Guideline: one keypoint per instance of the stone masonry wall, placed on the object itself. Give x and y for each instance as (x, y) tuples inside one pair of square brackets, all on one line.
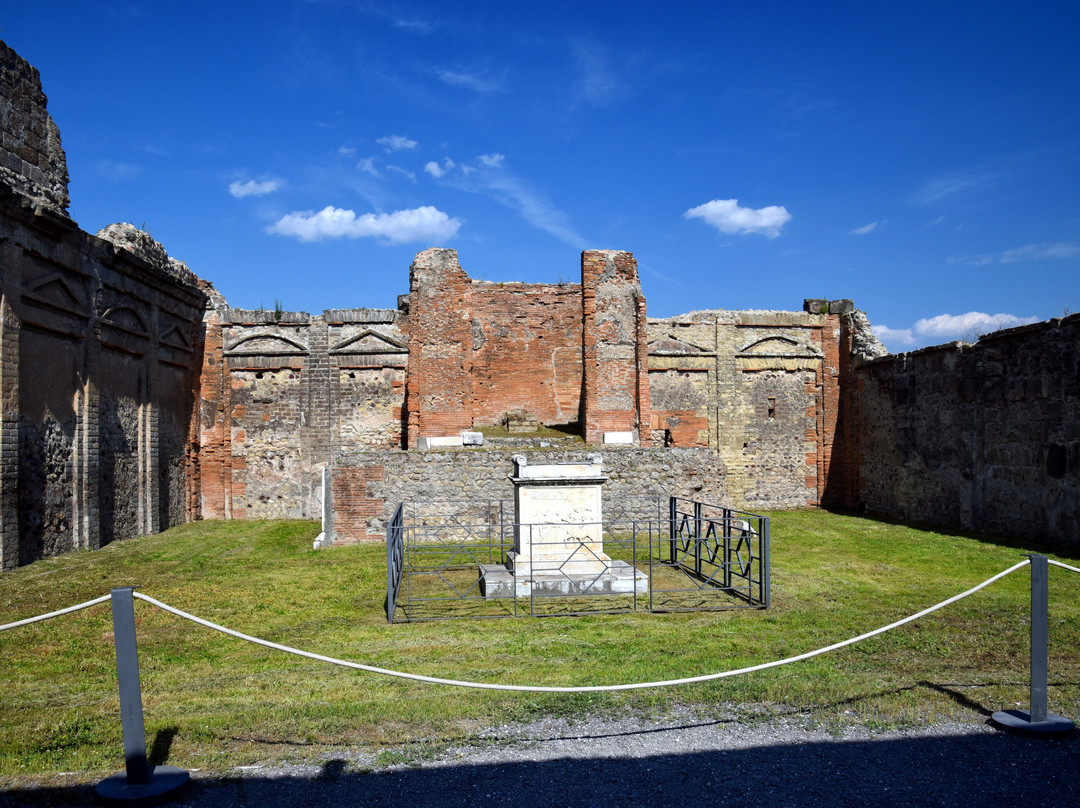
[(368, 486), (32, 161), (982, 437)]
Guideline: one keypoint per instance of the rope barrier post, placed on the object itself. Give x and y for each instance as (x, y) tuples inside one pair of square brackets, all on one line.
[(1037, 720), (140, 783)]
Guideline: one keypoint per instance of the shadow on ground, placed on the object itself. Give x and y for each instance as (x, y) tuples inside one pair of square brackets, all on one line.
[(983, 768)]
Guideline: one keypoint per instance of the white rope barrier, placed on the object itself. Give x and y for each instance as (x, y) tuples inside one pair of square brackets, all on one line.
[(57, 613), (1063, 566), (585, 689)]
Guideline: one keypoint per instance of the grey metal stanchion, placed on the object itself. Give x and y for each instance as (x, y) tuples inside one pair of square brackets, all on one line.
[(1037, 720), (141, 783)]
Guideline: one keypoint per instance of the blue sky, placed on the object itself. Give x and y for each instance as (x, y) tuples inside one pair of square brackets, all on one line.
[(922, 159)]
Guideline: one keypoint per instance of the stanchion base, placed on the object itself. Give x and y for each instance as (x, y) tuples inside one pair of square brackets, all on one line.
[(1020, 721), (163, 781)]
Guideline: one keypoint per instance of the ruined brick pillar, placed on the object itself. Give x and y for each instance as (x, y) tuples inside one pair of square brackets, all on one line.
[(614, 348), (439, 381), (215, 429)]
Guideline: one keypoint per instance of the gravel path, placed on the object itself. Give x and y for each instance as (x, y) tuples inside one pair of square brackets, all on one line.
[(679, 761)]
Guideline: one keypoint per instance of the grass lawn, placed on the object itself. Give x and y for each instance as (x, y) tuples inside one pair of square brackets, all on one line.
[(216, 702)]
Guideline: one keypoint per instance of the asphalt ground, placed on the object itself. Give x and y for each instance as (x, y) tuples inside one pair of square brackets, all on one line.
[(682, 760)]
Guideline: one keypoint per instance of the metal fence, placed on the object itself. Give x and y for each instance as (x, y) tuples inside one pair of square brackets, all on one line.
[(449, 559)]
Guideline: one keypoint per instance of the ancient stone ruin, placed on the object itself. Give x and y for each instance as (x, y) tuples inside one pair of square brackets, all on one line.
[(134, 398)]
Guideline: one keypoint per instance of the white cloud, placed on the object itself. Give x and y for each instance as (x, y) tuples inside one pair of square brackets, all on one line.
[(347, 151), (437, 171), (895, 339), (492, 160), (866, 228), (1032, 251), (252, 188), (967, 326), (367, 165), (728, 217), (393, 143), (426, 224)]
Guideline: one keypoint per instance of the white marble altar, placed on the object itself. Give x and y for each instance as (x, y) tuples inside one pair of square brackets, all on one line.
[(558, 536)]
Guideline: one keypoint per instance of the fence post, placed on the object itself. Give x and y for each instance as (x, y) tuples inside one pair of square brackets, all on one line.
[(140, 782), (1037, 720)]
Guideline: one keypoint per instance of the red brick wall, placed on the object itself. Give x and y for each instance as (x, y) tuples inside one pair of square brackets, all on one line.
[(526, 341), (355, 509)]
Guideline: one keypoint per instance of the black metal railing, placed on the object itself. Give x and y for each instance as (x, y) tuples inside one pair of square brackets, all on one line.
[(450, 559)]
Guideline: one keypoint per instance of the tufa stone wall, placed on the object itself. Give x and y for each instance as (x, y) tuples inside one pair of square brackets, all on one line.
[(101, 349), (760, 388), (281, 391), (982, 437)]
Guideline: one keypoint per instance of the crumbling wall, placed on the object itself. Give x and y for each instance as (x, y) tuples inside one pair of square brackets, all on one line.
[(32, 161), (479, 350), (614, 353), (982, 437)]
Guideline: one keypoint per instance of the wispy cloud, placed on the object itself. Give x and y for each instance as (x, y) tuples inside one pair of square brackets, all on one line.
[(866, 228), (424, 224), (946, 187), (489, 175), (367, 165), (596, 82), (393, 143), (117, 172), (469, 81), (1029, 252), (253, 188), (409, 175), (727, 216)]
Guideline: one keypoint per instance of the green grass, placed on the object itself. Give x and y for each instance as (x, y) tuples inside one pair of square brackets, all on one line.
[(213, 702)]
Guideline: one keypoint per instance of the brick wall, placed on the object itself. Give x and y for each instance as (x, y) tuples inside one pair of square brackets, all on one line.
[(479, 350)]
